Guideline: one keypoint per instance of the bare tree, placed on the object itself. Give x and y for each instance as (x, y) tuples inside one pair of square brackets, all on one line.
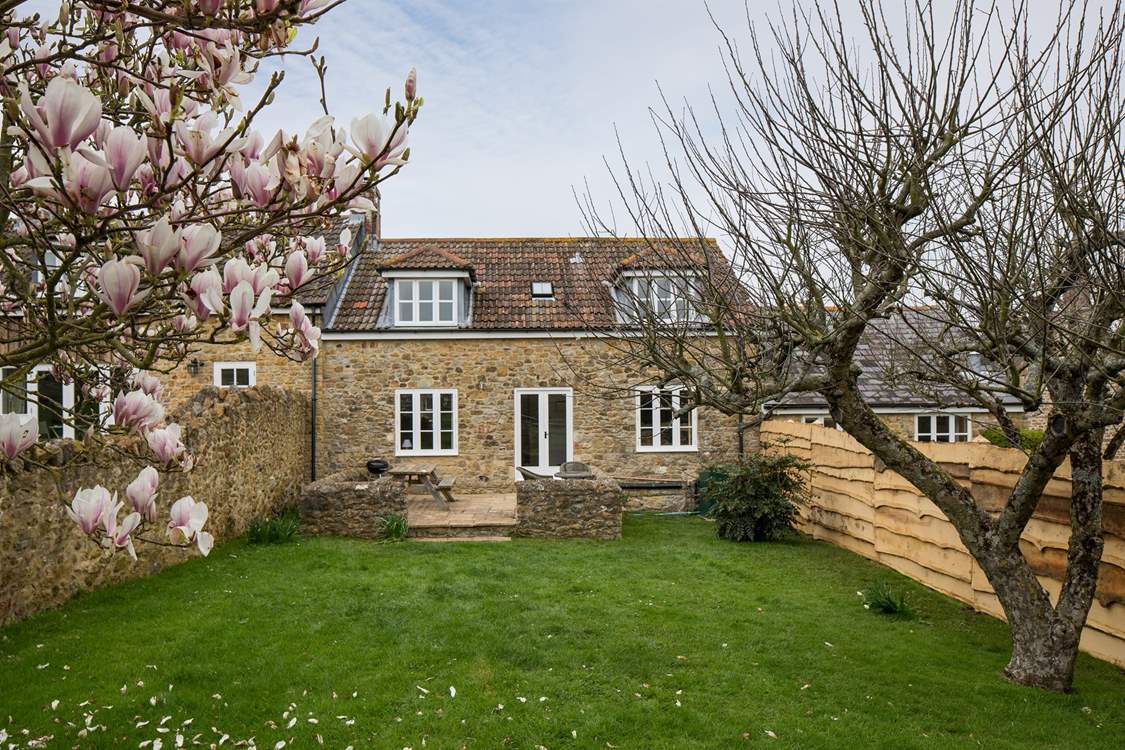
[(964, 170)]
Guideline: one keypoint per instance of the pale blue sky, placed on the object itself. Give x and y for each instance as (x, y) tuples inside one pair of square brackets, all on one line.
[(521, 99)]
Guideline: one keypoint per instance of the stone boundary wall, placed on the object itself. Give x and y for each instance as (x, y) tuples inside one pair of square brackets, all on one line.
[(251, 449), (878, 514), (350, 503), (560, 509)]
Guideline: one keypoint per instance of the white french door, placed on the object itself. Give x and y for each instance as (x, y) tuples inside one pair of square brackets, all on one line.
[(544, 428)]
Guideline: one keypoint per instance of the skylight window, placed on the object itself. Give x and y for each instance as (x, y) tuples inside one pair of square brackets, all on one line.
[(542, 290)]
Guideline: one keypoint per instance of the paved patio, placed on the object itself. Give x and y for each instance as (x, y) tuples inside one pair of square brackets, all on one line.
[(470, 516)]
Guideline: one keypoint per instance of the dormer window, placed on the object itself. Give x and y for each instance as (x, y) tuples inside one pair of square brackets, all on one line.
[(661, 296), (542, 290), (426, 301)]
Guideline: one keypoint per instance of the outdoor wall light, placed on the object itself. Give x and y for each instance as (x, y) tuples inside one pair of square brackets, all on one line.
[(193, 367)]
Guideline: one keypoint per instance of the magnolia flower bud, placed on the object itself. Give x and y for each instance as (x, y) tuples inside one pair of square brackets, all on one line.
[(411, 83)]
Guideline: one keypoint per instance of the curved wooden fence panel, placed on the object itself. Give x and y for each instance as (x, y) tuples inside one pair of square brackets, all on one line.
[(859, 505)]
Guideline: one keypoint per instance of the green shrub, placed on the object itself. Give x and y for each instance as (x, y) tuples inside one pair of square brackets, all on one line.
[(393, 527), (1029, 439), (276, 530), (883, 599), (756, 499)]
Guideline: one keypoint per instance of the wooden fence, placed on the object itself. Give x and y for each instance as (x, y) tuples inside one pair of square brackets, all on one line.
[(878, 514)]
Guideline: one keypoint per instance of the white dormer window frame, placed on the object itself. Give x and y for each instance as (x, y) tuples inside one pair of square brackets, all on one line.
[(427, 299), (660, 293)]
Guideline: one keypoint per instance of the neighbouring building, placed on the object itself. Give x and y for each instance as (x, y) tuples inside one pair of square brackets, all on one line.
[(891, 356)]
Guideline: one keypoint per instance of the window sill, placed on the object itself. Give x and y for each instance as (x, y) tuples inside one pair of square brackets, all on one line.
[(399, 453), (667, 449)]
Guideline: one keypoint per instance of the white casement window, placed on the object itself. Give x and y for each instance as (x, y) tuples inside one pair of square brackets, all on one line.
[(823, 421), (660, 426), (236, 374), (942, 428), (61, 408), (426, 302), (425, 422), (13, 401), (663, 297)]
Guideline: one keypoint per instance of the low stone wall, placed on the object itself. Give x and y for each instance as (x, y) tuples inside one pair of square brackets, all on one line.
[(661, 500), (350, 503), (251, 454), (858, 504), (572, 508)]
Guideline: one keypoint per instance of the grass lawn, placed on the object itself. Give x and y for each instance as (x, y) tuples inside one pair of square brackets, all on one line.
[(667, 639)]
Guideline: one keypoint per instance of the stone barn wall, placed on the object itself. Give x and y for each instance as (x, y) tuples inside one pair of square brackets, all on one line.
[(876, 513), (252, 457)]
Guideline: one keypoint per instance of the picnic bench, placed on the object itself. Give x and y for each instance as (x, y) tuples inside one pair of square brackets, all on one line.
[(425, 475)]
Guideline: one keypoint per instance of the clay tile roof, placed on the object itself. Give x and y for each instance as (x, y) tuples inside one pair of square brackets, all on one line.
[(667, 258), (579, 270), (429, 257)]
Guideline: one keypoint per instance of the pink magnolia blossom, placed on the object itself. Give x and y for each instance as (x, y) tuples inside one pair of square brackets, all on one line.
[(186, 523), (308, 335), (148, 383), (235, 270), (258, 183), (166, 444), (119, 281), (210, 7), (120, 535), (142, 493), (17, 433), (89, 507), (343, 246), (184, 323), (264, 278), (206, 295), (245, 313), (124, 150), (158, 245), (198, 243), (86, 181), (296, 269), (265, 6), (316, 248), (66, 114), (377, 140), (137, 410)]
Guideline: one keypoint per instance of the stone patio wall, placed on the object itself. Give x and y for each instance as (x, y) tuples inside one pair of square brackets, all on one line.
[(858, 504), (572, 508), (350, 503), (251, 458)]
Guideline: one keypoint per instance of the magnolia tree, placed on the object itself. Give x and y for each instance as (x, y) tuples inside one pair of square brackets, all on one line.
[(936, 203), (141, 214)]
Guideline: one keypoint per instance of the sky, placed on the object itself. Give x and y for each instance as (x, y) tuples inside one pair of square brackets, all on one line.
[(521, 99)]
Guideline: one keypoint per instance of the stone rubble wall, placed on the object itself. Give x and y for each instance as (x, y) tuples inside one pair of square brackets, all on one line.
[(252, 457), (350, 503), (859, 505), (559, 509), (356, 407)]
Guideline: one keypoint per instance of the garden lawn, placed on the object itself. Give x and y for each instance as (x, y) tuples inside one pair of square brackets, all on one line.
[(666, 639)]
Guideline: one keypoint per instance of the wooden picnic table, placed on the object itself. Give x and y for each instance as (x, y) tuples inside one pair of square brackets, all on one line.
[(425, 475)]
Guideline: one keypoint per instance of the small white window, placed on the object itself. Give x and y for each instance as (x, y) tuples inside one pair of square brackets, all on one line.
[(942, 428), (660, 426), (542, 290), (425, 422), (235, 374), (426, 302)]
